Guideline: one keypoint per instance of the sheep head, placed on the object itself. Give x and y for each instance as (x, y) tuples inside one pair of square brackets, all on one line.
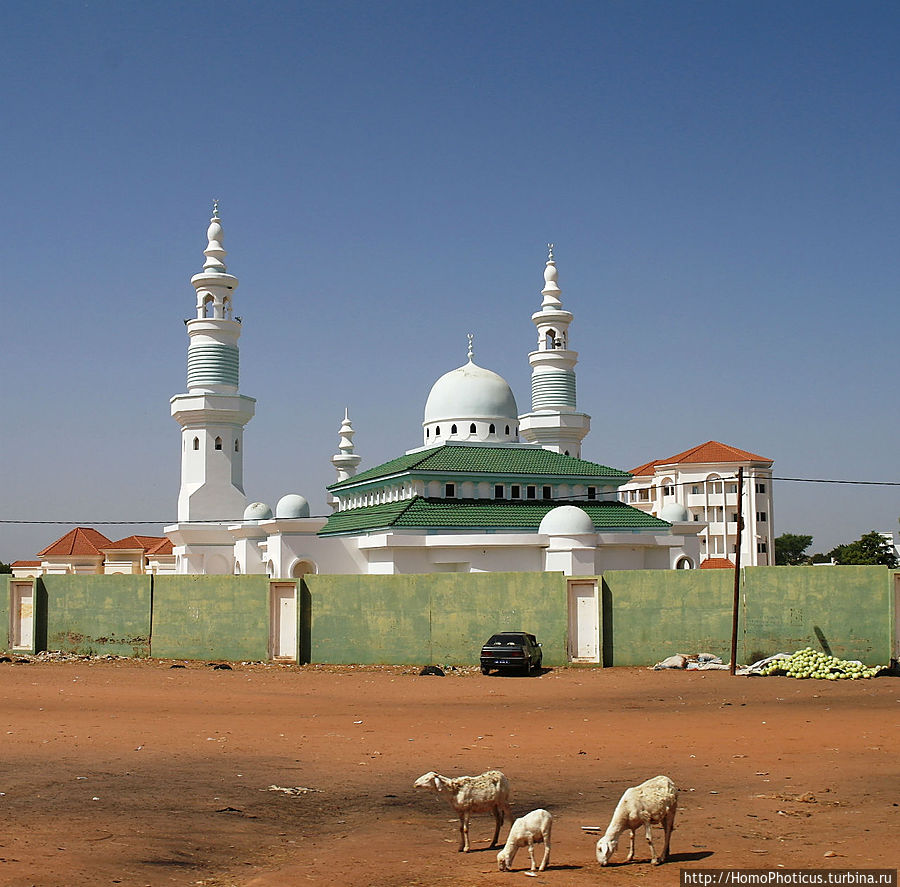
[(503, 861), (429, 780), (605, 849)]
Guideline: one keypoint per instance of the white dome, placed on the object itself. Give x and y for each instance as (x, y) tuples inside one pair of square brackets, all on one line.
[(257, 511), (292, 505), (674, 513), (566, 520), (471, 395)]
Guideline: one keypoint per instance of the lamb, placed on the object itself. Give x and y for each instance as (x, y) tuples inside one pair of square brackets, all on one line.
[(472, 794), (528, 830), (653, 801)]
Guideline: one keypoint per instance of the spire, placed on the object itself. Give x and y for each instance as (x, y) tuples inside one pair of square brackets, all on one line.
[(551, 291), (215, 252), (345, 460), (471, 353)]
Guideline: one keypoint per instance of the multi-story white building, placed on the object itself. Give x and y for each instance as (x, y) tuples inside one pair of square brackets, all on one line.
[(700, 485)]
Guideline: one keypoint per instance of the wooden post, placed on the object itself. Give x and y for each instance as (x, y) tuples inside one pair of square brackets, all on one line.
[(737, 568)]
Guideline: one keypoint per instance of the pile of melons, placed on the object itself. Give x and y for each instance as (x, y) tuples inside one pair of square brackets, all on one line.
[(809, 663)]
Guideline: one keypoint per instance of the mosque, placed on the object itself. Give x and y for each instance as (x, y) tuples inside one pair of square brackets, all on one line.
[(487, 489)]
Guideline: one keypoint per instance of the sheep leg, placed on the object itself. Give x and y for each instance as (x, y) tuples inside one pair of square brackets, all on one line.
[(463, 832), (653, 858), (531, 851), (546, 857), (630, 848), (498, 822), (668, 825)]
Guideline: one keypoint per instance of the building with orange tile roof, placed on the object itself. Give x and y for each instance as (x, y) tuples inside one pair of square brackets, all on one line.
[(700, 485)]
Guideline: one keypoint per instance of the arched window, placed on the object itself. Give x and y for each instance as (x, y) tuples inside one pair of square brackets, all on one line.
[(226, 304), (472, 428), (208, 306), (427, 433), (491, 429), (237, 445), (453, 429), (507, 429), (437, 431), (218, 443), (196, 443), (550, 340)]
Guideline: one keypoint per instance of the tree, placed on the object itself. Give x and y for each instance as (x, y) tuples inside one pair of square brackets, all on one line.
[(870, 549), (790, 548), (5, 568)]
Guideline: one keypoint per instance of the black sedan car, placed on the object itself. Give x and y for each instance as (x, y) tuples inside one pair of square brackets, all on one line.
[(511, 650)]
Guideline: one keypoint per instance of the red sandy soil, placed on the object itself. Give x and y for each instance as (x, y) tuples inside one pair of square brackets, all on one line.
[(137, 773)]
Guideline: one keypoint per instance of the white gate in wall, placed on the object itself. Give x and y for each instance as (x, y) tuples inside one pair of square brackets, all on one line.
[(283, 620), (584, 620), (21, 614)]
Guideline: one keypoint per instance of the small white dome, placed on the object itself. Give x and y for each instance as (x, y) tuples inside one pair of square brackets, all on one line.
[(292, 505), (566, 520), (257, 511), (674, 513)]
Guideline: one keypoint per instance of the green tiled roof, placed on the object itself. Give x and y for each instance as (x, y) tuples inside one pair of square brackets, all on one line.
[(475, 514), (530, 461)]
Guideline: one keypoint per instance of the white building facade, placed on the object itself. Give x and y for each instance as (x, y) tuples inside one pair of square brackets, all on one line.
[(700, 485)]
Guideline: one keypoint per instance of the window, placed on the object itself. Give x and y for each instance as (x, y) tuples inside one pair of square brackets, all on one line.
[(450, 491), (196, 443), (492, 429), (734, 517), (717, 487), (218, 443), (668, 490), (731, 488), (437, 431), (531, 491), (761, 548), (472, 428), (761, 516), (695, 490), (237, 445), (592, 492), (427, 433), (515, 492), (453, 429), (548, 493), (760, 488), (696, 517), (507, 429), (498, 491)]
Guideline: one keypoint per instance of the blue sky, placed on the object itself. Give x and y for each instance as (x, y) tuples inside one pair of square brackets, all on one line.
[(720, 181)]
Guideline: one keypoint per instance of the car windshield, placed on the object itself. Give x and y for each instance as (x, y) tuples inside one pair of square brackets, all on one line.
[(506, 640)]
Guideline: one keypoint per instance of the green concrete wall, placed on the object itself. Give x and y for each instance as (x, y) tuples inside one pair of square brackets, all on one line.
[(650, 614), (845, 610), (440, 619), (647, 615), (211, 617), (100, 615)]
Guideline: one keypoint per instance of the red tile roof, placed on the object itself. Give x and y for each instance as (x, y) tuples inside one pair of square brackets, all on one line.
[(646, 470), (134, 543), (713, 451), (25, 564), (164, 546), (716, 563), (80, 541)]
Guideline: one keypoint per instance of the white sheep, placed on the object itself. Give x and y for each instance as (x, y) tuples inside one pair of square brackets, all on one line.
[(528, 830), (471, 794), (653, 801)]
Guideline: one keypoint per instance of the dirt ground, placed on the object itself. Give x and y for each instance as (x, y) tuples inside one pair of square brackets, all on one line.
[(138, 773)]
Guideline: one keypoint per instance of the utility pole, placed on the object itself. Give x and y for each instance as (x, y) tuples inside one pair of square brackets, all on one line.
[(737, 569)]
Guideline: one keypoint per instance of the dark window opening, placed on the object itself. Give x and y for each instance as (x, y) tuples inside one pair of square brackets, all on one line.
[(491, 429), (498, 491), (531, 492), (515, 492), (472, 428), (592, 492), (450, 491), (548, 493), (453, 429), (196, 443)]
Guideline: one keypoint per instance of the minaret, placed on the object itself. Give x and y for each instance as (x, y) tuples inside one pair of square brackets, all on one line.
[(213, 413), (554, 421), (345, 460)]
